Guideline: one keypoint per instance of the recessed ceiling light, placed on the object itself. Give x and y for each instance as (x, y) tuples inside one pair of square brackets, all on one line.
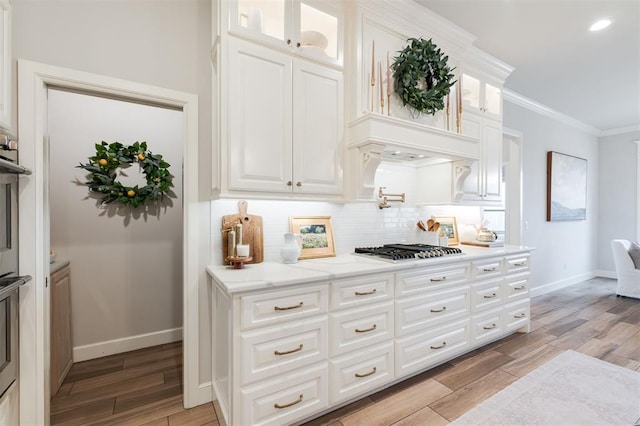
[(600, 25)]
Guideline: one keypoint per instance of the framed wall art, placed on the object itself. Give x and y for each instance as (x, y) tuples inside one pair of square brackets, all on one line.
[(449, 226), (566, 187), (316, 234)]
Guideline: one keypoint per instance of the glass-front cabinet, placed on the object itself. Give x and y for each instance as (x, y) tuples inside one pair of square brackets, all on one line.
[(481, 96), (310, 28)]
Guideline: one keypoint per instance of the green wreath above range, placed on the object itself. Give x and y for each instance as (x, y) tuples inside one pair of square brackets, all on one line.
[(422, 77), (104, 178)]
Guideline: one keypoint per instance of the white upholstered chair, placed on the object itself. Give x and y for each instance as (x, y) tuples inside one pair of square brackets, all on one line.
[(628, 275)]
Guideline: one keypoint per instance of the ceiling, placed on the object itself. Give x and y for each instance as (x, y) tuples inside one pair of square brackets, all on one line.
[(593, 77)]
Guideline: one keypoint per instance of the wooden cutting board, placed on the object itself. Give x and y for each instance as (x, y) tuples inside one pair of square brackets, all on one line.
[(251, 232)]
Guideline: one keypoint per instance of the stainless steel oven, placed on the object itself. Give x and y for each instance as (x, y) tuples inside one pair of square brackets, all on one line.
[(10, 281), (8, 339)]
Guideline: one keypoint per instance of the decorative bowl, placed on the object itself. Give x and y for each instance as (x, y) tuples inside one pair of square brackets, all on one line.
[(315, 39)]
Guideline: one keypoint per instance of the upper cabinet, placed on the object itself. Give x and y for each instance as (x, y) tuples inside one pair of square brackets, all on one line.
[(280, 100), (285, 123), (481, 96), (5, 64), (306, 27)]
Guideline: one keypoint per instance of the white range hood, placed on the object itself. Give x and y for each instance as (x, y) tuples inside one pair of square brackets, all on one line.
[(372, 138)]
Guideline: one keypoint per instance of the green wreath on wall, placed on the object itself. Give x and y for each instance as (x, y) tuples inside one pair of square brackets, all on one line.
[(422, 77), (110, 157)]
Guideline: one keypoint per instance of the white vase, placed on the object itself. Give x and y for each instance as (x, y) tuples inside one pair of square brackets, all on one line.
[(291, 250)]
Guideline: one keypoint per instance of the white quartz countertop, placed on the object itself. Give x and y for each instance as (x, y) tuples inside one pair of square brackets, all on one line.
[(266, 275)]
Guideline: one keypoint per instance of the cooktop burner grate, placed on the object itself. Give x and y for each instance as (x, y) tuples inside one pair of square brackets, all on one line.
[(407, 251)]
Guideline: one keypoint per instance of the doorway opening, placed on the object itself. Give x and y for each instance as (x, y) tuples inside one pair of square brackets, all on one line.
[(34, 82)]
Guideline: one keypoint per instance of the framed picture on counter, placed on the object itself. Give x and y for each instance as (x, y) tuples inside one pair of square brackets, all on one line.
[(450, 228), (316, 234)]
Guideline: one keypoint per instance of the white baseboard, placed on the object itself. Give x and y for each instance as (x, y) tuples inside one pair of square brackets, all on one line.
[(126, 344), (205, 393), (557, 285), (606, 274)]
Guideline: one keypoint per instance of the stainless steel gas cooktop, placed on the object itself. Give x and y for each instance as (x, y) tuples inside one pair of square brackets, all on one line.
[(399, 252)]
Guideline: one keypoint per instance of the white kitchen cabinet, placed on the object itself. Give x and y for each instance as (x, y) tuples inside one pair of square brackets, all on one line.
[(484, 182), (5, 64), (305, 27), (481, 97), (285, 123), (482, 119), (283, 355)]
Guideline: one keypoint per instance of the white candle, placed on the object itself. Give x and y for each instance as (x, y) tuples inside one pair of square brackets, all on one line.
[(242, 250)]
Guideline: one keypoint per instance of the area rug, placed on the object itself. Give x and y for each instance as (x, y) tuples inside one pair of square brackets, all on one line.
[(570, 389)]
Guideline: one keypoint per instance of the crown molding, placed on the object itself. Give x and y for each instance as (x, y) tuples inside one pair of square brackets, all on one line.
[(621, 130), (530, 104)]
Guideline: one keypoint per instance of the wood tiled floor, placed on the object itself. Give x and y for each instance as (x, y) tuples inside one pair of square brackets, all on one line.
[(144, 387)]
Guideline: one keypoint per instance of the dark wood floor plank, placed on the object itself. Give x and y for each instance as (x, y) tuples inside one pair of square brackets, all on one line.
[(93, 368), (334, 416), (533, 359), (131, 400), (563, 326), (84, 413)]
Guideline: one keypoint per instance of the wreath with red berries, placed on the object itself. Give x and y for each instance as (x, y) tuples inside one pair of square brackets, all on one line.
[(110, 157)]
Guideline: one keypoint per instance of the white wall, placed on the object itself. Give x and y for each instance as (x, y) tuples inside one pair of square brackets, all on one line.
[(618, 193), (566, 252), (165, 43), (126, 263)]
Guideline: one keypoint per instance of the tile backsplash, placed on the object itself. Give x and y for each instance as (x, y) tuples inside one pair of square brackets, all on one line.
[(354, 224)]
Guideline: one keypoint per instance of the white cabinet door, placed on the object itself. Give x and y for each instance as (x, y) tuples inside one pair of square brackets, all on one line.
[(492, 160), (260, 146), (484, 183), (318, 129)]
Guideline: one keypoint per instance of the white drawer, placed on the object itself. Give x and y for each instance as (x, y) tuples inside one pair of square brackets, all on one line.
[(487, 268), (258, 310), (516, 315), (408, 283), (356, 292), (517, 287), (486, 327), (270, 351), (486, 295), (356, 373), (423, 311), (360, 327), (517, 263), (291, 397), (421, 350)]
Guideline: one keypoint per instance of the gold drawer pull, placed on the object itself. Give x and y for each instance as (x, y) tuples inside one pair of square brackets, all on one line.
[(522, 287), (365, 293), (289, 404), (439, 347), (359, 375), (520, 264), (520, 315), (435, 280), (286, 308), (444, 308), (364, 330), (490, 327), (298, 349), (490, 296), (493, 268)]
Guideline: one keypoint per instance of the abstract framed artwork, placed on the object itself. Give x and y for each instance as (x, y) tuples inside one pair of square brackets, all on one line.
[(566, 187)]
